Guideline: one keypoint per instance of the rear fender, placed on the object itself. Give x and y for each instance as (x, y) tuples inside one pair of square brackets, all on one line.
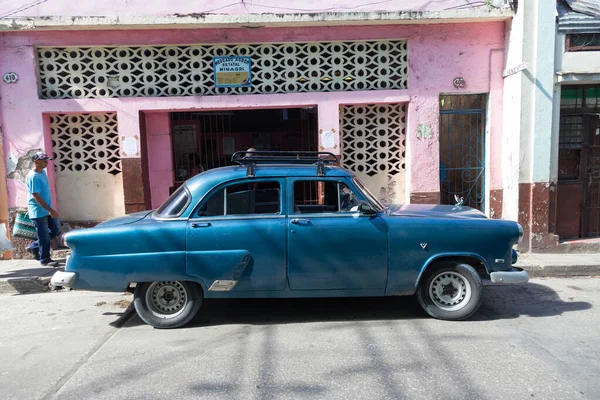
[(219, 270)]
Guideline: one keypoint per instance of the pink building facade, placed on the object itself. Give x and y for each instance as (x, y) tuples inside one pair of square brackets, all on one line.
[(412, 105)]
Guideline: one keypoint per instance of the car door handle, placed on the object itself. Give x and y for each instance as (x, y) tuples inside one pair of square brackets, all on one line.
[(300, 221), (200, 224)]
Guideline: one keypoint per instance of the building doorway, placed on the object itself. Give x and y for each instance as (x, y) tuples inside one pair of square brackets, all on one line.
[(203, 140), (462, 149), (578, 197)]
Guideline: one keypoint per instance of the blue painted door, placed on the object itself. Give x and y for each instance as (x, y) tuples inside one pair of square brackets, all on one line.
[(238, 233), (330, 245), (462, 149)]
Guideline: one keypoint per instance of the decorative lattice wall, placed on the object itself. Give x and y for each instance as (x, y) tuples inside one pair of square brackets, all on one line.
[(85, 142), (140, 71), (373, 139)]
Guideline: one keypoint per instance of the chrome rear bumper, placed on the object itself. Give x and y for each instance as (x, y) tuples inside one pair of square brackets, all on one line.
[(515, 275), (65, 279)]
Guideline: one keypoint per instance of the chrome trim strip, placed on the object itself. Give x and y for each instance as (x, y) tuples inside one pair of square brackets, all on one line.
[(169, 219), (516, 275), (222, 286), (521, 233), (183, 210), (237, 217), (331, 215)]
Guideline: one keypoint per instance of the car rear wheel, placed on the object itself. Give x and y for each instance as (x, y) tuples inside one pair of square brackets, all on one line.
[(168, 304), (450, 291)]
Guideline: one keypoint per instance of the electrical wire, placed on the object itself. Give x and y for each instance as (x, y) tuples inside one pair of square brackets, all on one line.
[(321, 9), (23, 8)]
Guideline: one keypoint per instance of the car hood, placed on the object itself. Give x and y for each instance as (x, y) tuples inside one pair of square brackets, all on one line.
[(126, 219), (433, 211)]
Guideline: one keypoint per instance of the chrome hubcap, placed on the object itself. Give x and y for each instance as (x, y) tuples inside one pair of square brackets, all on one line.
[(166, 299), (450, 291)]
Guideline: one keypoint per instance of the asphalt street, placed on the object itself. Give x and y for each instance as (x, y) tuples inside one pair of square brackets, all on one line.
[(538, 340)]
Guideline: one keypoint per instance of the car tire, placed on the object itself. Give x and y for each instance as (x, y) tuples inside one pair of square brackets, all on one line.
[(450, 291), (168, 304)]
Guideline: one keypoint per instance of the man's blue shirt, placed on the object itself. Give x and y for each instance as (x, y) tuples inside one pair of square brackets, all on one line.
[(37, 182)]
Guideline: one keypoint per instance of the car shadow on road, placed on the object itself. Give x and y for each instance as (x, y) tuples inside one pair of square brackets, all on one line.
[(499, 302), (287, 311), (529, 299)]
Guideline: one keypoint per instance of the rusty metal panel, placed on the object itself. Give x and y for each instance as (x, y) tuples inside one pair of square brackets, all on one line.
[(568, 205), (591, 184)]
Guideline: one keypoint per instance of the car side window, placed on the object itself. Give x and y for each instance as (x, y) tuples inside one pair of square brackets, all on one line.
[(214, 206), (244, 199), (323, 197), (348, 200)]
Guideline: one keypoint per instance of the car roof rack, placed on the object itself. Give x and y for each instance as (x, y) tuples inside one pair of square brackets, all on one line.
[(254, 157)]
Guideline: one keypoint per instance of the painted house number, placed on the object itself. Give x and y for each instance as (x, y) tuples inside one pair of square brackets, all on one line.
[(10, 77)]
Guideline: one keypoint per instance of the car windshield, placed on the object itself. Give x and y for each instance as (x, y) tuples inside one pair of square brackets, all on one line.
[(372, 199), (175, 204)]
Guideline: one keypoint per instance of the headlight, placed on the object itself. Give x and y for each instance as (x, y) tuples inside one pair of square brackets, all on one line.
[(520, 233)]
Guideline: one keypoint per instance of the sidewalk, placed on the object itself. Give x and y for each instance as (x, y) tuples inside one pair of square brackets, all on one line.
[(28, 276), (560, 265)]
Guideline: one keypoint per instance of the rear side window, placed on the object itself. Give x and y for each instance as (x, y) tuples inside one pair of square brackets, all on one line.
[(243, 199), (175, 204)]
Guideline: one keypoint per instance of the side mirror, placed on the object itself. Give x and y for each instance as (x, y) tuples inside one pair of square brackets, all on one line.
[(365, 208)]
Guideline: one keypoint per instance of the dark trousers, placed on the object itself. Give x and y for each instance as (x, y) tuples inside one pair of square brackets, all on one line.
[(47, 228)]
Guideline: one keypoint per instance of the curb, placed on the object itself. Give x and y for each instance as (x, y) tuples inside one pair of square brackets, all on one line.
[(561, 271)]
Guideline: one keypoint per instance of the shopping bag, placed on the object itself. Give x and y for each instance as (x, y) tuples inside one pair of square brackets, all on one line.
[(24, 227)]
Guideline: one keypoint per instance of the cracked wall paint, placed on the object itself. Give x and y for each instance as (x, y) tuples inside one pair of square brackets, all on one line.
[(18, 170), (151, 10)]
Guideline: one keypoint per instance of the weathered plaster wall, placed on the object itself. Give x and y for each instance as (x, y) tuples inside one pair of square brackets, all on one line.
[(536, 193), (580, 62), (435, 60), (21, 8), (160, 156), (545, 27), (437, 54), (89, 195), (511, 119)]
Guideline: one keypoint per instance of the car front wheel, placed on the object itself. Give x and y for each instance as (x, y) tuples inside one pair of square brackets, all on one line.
[(450, 291), (168, 304)]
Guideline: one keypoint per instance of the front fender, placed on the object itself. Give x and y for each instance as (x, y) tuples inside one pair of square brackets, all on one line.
[(453, 255)]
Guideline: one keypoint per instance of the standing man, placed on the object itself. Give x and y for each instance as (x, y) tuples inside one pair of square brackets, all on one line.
[(40, 209)]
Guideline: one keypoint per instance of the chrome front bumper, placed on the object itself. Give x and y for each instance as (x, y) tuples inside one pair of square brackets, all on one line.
[(65, 279), (515, 275)]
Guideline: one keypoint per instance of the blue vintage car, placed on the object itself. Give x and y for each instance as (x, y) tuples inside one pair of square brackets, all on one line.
[(291, 225)]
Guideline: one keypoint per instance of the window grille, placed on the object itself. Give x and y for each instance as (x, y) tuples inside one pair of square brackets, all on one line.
[(151, 71), (373, 146), (85, 142)]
